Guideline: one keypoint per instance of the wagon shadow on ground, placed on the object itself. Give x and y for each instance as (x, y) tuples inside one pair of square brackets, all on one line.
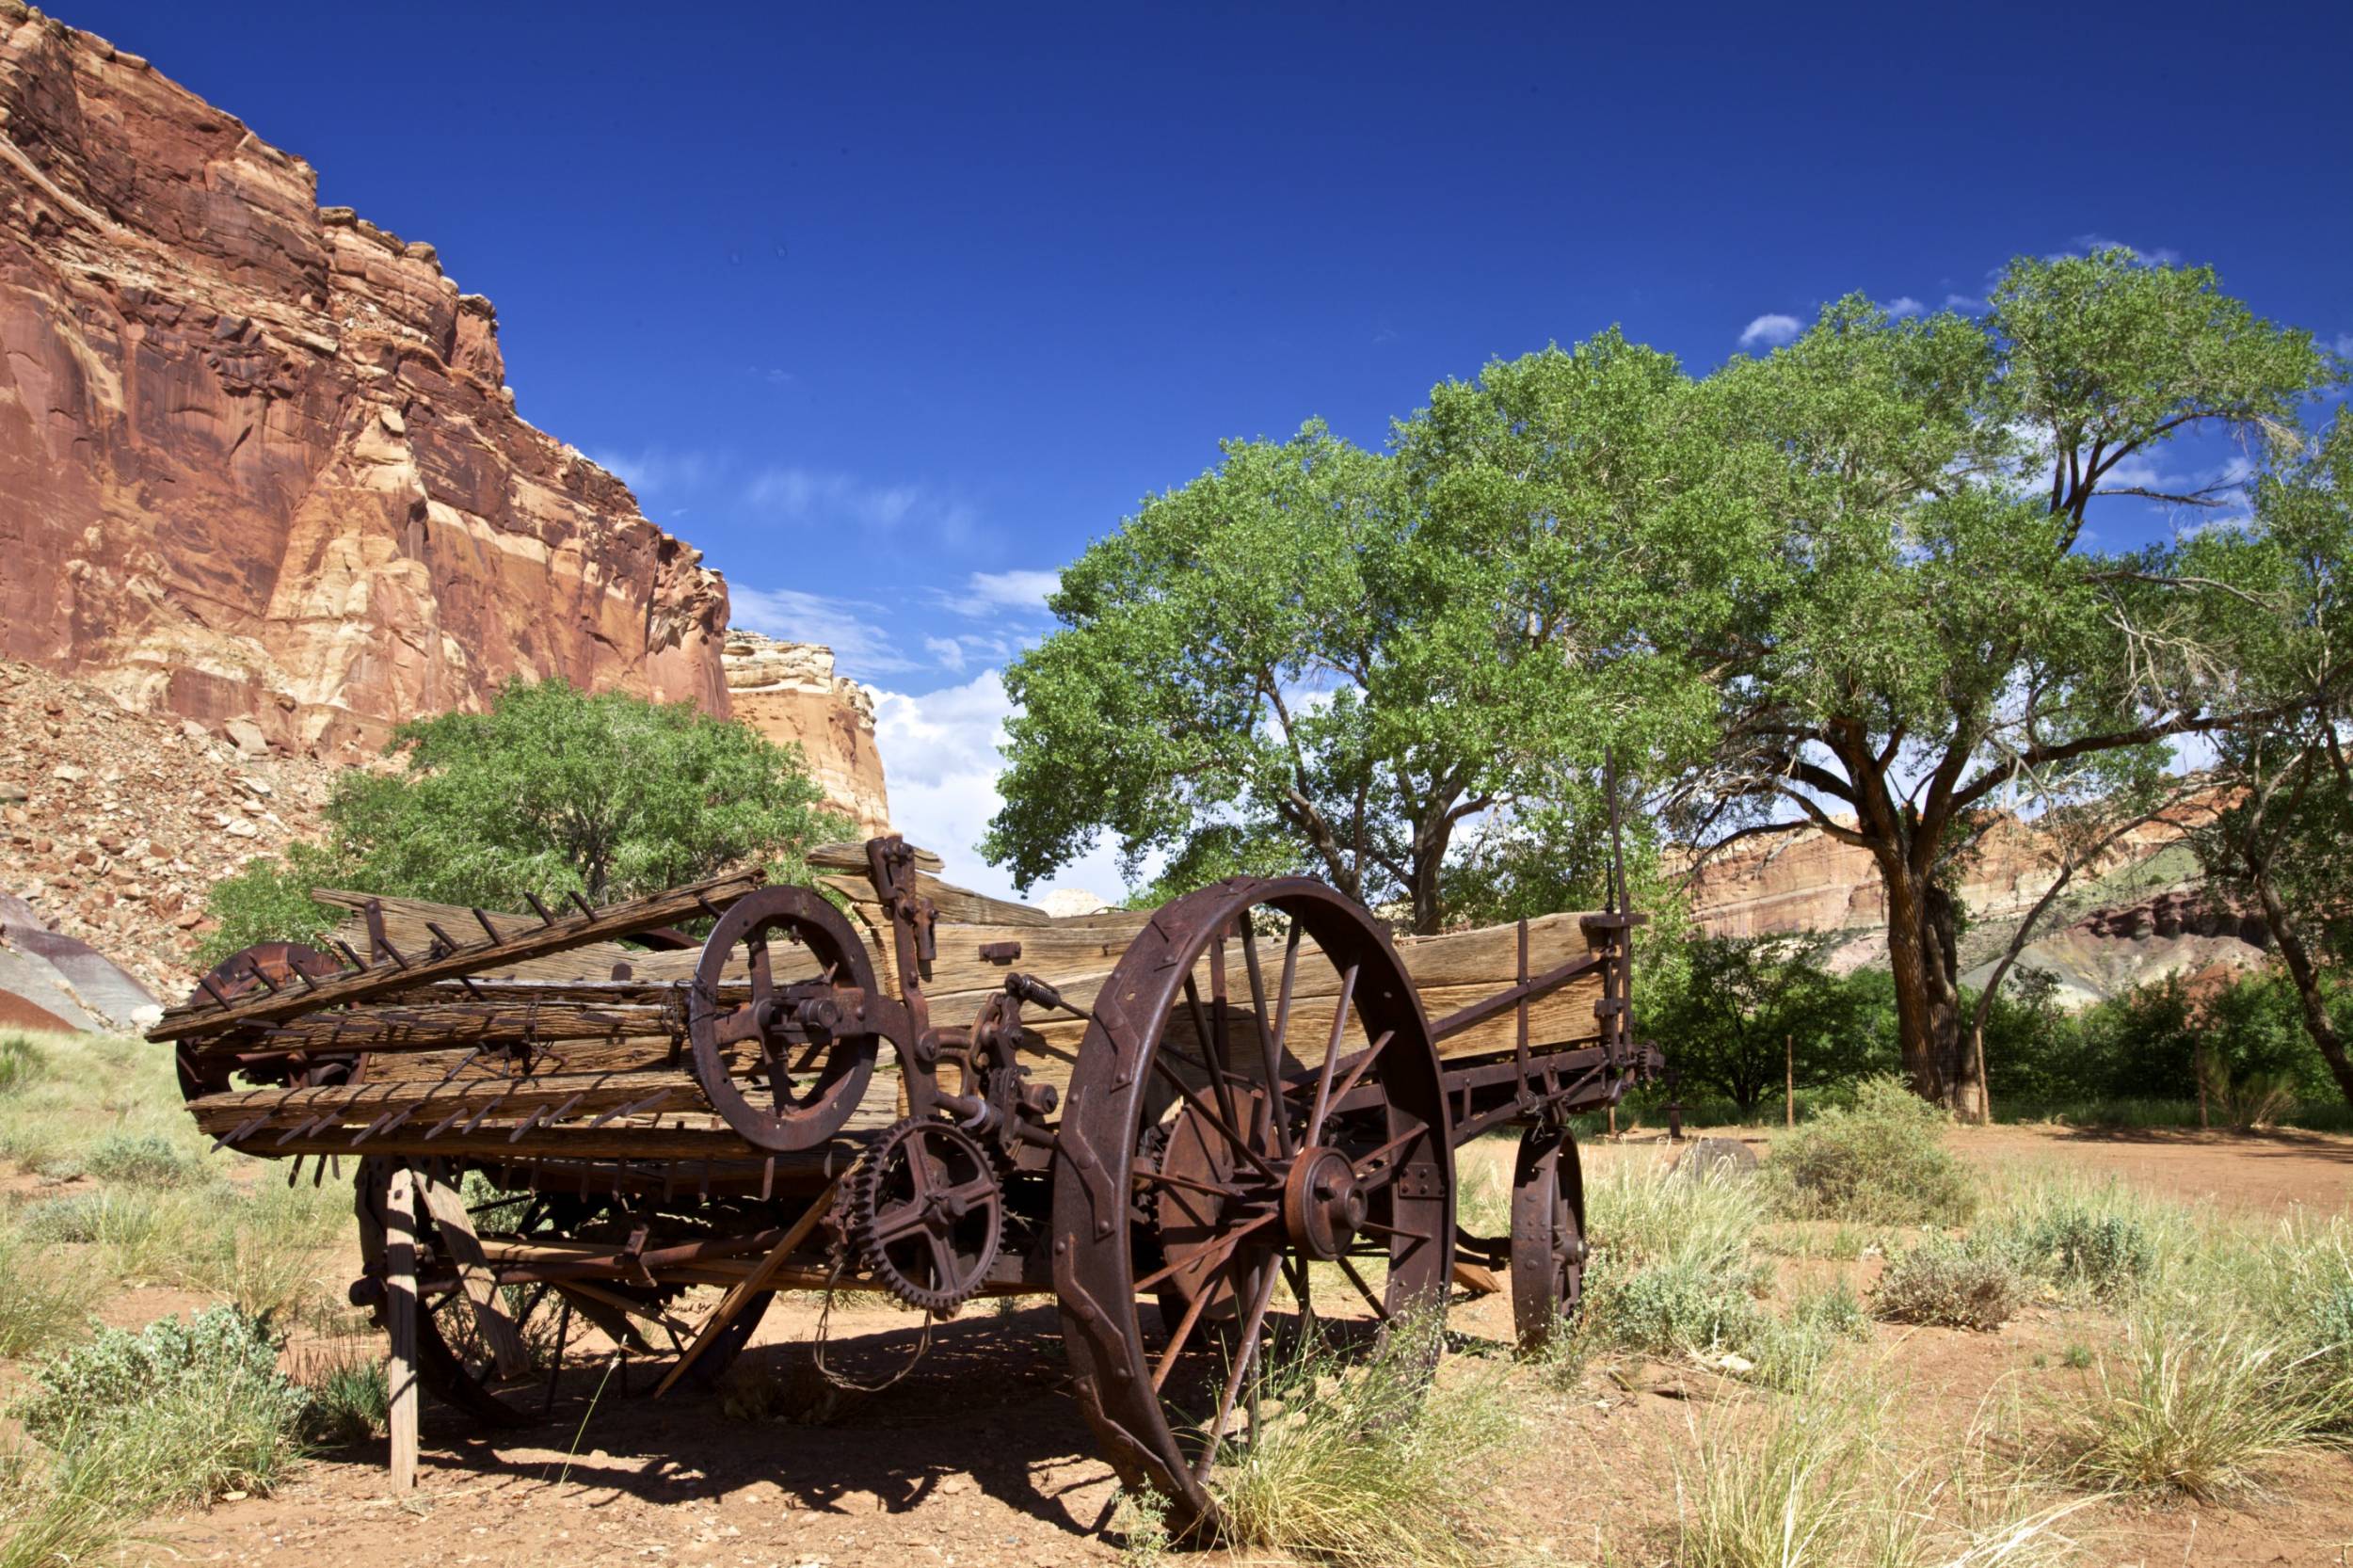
[(2256, 1142), (987, 1405)]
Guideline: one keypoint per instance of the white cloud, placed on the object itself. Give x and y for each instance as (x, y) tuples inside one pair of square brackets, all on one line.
[(949, 651), (829, 498), (862, 648), (1904, 305), (1768, 330), (1963, 302), (985, 593), (655, 472), (940, 758), (2083, 244), (2345, 345)]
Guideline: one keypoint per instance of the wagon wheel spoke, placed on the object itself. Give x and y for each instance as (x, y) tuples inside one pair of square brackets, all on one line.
[(943, 1261), (1379, 1307), (1277, 1111), (1248, 1357), (1371, 1173), (1224, 1127), (1332, 1055), (1233, 1239)]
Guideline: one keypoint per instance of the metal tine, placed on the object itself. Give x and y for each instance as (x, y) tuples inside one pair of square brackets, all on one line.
[(483, 1115), (445, 1123), (212, 990), (448, 943), (376, 1126), (255, 970), (586, 908), (483, 922), (357, 962), (300, 1128), (650, 1102), (539, 908), (303, 975), (392, 952)]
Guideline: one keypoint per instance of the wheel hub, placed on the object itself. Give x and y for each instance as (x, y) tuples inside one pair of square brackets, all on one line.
[(1322, 1208)]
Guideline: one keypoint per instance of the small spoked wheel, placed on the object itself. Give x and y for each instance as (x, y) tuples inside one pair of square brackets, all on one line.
[(562, 1334), (1548, 1236), (1255, 1137), (808, 1060)]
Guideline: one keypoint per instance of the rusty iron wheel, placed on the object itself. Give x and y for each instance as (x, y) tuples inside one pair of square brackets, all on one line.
[(1548, 1236), (1311, 1170), (454, 1364), (777, 1021)]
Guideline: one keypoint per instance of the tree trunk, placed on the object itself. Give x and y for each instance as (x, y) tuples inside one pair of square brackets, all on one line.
[(2299, 965), (1925, 959)]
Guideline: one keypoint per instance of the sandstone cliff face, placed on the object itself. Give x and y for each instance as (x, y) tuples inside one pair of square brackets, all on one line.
[(257, 459), (790, 693)]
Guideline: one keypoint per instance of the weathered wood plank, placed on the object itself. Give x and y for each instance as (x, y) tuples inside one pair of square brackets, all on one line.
[(537, 940)]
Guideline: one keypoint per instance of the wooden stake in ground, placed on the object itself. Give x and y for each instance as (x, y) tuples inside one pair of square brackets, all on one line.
[(751, 1285), (448, 1207), (1789, 1068), (400, 1314)]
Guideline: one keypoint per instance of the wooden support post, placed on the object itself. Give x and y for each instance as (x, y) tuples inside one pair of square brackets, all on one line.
[(1789, 1066), (400, 1313), (751, 1285)]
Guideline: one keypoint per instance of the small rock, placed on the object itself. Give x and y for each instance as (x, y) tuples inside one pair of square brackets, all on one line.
[(1726, 1156), (241, 829), (254, 786), (11, 794), (246, 737), (66, 773)]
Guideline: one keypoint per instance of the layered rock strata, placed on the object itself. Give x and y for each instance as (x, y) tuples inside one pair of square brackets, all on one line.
[(257, 457), (790, 693)]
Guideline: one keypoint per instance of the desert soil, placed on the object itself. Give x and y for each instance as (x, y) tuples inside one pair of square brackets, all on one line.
[(978, 1455)]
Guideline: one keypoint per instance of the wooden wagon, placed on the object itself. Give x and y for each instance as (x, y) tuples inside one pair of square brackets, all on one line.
[(565, 1123)]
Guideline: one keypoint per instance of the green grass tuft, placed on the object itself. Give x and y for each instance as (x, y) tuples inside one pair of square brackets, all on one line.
[(1883, 1161), (1948, 1284)]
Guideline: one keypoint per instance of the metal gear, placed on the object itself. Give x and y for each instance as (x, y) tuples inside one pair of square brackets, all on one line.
[(928, 1213)]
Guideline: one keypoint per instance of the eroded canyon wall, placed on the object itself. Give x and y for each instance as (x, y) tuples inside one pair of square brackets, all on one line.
[(257, 457)]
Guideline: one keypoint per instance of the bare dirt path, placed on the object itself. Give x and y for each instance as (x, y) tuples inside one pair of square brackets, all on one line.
[(979, 1456)]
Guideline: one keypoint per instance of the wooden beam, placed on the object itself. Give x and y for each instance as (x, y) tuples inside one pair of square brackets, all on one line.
[(750, 1286), (616, 919), (448, 1209)]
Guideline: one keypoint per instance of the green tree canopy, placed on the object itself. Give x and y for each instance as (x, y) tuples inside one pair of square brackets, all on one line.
[(551, 792), (1741, 1015)]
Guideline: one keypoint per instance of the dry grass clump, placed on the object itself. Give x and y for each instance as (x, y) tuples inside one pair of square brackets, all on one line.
[(43, 1300), (1816, 1484), (1366, 1463), (2193, 1406)]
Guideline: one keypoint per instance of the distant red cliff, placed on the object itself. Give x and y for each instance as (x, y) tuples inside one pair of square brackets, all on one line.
[(257, 457)]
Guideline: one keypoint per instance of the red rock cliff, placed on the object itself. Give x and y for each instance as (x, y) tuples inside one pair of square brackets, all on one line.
[(257, 459)]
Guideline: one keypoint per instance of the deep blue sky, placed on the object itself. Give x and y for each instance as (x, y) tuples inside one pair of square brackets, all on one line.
[(875, 302)]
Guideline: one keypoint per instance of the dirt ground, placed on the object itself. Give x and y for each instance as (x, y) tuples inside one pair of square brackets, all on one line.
[(977, 1454)]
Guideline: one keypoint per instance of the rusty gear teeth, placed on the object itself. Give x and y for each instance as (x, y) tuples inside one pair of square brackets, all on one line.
[(927, 1214)]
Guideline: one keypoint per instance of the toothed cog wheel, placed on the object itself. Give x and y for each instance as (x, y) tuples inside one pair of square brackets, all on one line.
[(928, 1213)]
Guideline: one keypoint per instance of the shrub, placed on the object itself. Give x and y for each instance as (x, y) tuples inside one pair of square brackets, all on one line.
[(1671, 1269), (1366, 1465), (1948, 1285), (1882, 1160), (180, 1409), (145, 1159), (1673, 1308), (21, 1060)]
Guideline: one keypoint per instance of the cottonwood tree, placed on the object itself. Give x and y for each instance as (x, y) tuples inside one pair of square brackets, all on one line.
[(1747, 1014), (1289, 663), (553, 791), (2286, 841), (1875, 565)]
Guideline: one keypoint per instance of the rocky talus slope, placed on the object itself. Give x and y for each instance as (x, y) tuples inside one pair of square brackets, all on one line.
[(113, 824), (258, 460)]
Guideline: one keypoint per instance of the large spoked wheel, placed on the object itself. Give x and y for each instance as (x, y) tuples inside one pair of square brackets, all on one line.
[(810, 1061), (456, 1361), (1548, 1236), (1256, 1136)]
